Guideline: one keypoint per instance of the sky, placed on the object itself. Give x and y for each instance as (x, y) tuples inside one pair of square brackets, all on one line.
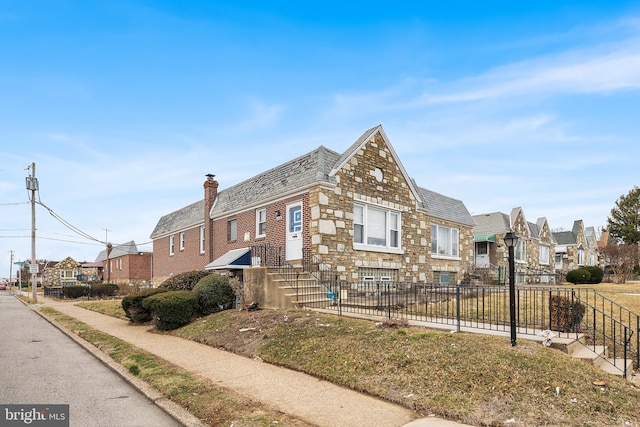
[(125, 105)]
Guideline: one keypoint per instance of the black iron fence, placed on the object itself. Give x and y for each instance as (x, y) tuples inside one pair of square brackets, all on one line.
[(577, 313)]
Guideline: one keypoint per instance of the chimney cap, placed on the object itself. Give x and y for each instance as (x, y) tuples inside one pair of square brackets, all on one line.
[(210, 175)]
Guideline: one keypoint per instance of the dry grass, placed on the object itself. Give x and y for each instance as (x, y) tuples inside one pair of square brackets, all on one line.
[(480, 380)]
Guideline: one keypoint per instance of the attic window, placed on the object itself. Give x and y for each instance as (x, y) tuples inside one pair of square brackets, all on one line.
[(377, 174)]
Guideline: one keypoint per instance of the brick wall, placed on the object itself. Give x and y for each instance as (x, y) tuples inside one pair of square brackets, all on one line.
[(189, 259), (246, 227)]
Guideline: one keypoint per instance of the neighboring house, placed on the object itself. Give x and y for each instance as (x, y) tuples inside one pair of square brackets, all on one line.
[(576, 248), (90, 272), (358, 212), (125, 264), (63, 273), (533, 252), (180, 241)]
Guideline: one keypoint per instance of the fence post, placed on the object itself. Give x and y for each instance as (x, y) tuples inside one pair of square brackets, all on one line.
[(626, 344), (458, 306)]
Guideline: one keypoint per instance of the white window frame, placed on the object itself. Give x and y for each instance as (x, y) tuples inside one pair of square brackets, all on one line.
[(182, 240), (545, 253), (172, 247), (520, 251), (202, 239), (437, 251), (261, 222), (580, 256), (232, 230), (362, 239)]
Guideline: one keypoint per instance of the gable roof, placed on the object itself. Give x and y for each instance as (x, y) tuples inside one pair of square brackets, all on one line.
[(565, 237), (496, 222), (361, 142), (444, 207), (118, 251), (288, 178), (182, 219)]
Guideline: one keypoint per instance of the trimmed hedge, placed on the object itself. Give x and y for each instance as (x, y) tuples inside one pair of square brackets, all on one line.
[(172, 309), (73, 292), (101, 290), (184, 281), (132, 304), (597, 274), (580, 275), (214, 294)]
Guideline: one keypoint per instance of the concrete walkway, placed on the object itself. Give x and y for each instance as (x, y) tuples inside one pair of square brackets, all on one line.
[(318, 402)]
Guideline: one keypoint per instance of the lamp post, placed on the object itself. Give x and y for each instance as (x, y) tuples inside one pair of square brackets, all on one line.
[(510, 240)]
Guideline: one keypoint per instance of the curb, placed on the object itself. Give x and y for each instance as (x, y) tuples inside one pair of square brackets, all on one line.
[(177, 412)]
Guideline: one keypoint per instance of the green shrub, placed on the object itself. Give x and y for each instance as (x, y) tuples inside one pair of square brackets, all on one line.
[(172, 309), (102, 290), (73, 292), (596, 274), (579, 275), (184, 281), (214, 294), (132, 304)]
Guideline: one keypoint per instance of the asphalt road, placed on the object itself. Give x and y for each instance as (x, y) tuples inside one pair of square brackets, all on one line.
[(41, 365)]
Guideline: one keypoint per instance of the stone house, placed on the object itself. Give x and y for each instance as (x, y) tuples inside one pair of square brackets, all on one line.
[(125, 264), (533, 252), (358, 212), (63, 273), (576, 248)]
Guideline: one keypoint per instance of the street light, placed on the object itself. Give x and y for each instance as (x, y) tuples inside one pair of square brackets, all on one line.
[(510, 240)]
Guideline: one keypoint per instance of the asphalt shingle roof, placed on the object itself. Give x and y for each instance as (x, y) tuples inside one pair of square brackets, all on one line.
[(119, 250), (181, 219), (444, 207), (496, 222), (316, 167), (313, 167)]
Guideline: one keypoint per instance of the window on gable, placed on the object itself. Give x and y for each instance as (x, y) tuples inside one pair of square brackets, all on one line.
[(580, 255), (232, 230), (182, 241), (261, 222), (521, 251), (544, 255), (202, 241), (375, 228), (171, 245), (444, 241)]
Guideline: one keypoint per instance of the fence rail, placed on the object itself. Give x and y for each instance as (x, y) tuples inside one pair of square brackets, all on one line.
[(575, 313)]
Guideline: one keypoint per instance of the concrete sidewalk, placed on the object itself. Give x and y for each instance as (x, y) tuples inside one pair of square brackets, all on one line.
[(315, 401)]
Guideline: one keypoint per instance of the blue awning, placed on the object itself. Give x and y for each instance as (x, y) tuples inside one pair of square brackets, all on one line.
[(234, 259)]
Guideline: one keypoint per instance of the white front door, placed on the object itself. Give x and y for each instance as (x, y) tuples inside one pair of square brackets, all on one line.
[(293, 247), (482, 255)]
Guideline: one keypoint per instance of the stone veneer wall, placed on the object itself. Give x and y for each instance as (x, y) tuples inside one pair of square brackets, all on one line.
[(359, 180)]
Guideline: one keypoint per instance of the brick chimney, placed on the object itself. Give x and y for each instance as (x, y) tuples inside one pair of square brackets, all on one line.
[(210, 194)]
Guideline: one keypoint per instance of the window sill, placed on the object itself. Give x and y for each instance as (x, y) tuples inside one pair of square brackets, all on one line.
[(381, 249), (452, 258)]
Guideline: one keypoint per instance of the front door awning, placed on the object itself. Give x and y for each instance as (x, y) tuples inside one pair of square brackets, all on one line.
[(484, 237), (234, 259)]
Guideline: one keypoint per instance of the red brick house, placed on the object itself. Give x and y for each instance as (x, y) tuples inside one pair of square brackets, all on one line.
[(125, 264), (358, 212)]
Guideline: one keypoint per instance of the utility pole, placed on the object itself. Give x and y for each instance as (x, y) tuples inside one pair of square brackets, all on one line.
[(107, 250), (32, 185), (10, 269)]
